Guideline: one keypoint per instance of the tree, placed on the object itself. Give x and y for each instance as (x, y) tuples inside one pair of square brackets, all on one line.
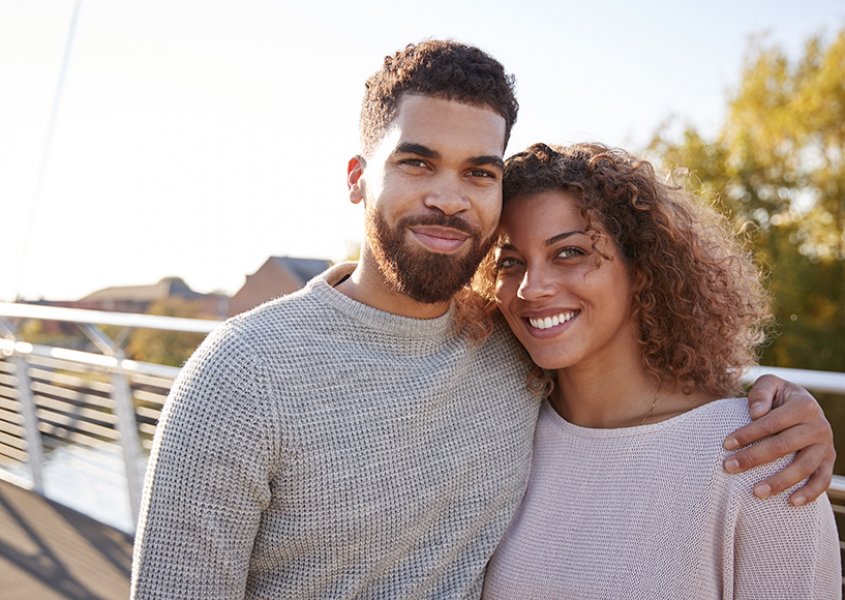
[(166, 347), (778, 165)]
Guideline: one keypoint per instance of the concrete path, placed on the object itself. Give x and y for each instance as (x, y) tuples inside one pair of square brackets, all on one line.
[(48, 552)]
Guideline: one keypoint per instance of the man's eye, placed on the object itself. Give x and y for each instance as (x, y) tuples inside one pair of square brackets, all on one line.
[(482, 173), (413, 162)]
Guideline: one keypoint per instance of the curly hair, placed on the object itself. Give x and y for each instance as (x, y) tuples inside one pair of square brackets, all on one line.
[(440, 68), (698, 299)]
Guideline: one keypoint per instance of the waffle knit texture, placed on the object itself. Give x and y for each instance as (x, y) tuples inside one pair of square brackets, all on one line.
[(648, 512), (316, 447)]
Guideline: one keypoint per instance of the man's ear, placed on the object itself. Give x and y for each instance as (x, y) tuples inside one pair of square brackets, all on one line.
[(354, 183)]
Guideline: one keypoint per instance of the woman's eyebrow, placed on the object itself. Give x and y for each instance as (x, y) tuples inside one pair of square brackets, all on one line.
[(561, 236), (505, 245)]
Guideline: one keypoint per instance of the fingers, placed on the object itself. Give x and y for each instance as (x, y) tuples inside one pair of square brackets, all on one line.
[(764, 394), (800, 410), (774, 447), (812, 442), (808, 463), (787, 419), (817, 484)]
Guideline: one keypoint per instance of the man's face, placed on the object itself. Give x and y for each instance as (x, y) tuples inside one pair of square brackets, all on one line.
[(432, 191)]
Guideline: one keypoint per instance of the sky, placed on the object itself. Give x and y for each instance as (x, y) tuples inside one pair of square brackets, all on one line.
[(141, 140)]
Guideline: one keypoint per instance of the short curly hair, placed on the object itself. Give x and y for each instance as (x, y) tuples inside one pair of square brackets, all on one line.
[(442, 69), (698, 297)]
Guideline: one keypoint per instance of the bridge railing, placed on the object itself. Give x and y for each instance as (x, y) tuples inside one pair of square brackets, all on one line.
[(98, 403), (104, 407)]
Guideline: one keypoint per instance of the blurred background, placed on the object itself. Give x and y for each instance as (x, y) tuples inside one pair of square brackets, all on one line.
[(188, 159), (154, 147), (178, 144)]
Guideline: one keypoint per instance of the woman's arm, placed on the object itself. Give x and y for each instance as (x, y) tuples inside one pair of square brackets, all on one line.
[(784, 552)]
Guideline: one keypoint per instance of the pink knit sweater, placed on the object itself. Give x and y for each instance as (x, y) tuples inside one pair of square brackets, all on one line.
[(648, 512)]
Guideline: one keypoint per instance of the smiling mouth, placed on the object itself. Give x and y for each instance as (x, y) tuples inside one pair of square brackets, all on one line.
[(552, 321), (440, 239)]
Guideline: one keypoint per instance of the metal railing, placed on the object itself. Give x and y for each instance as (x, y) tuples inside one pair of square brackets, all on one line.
[(96, 401), (106, 407)]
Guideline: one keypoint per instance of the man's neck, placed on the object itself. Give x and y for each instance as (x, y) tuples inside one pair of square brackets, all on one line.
[(367, 285)]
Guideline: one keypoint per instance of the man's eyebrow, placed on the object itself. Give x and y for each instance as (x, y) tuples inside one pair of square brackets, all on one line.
[(426, 152), (491, 159), (418, 149)]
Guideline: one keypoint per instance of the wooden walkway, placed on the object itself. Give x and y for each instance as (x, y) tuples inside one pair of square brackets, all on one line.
[(49, 552)]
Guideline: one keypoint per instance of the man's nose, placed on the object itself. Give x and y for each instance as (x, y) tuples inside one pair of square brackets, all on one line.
[(448, 196)]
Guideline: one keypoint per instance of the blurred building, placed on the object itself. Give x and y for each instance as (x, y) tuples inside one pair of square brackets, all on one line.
[(279, 275), (138, 298)]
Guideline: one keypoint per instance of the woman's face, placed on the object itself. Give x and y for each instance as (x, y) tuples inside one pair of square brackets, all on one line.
[(565, 292)]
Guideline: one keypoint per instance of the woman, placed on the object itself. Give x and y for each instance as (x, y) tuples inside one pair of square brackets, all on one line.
[(642, 312)]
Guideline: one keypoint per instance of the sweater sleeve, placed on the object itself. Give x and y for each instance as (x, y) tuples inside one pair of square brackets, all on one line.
[(208, 478), (781, 551)]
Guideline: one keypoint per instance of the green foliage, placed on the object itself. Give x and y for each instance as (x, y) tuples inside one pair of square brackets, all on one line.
[(778, 165), (166, 347), (52, 333)]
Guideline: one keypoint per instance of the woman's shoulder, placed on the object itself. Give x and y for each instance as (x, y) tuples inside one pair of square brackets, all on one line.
[(714, 419), (724, 413), (721, 418)]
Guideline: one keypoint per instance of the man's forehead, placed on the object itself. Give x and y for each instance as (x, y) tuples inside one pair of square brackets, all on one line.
[(446, 126)]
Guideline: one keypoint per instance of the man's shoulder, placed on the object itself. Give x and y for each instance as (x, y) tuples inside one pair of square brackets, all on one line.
[(501, 343), (286, 313)]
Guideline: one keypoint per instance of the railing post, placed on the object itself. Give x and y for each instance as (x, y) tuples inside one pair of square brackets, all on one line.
[(34, 449), (127, 427)]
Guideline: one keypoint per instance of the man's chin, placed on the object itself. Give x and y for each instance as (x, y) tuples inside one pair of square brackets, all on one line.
[(434, 280)]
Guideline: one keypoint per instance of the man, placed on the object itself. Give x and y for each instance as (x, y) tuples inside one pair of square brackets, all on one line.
[(352, 439)]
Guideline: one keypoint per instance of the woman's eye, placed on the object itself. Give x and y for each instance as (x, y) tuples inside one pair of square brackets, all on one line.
[(506, 262), (570, 252)]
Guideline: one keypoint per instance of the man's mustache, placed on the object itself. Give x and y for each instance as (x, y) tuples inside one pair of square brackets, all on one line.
[(449, 221)]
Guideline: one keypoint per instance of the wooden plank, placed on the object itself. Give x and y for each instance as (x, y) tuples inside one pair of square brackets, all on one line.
[(10, 413), (54, 424), (149, 397), (152, 381), (9, 393), (14, 454), (11, 428), (106, 419), (12, 441), (71, 381), (148, 413), (74, 395)]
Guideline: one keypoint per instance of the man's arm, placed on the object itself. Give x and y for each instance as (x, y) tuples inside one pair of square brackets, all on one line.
[(207, 481), (787, 419)]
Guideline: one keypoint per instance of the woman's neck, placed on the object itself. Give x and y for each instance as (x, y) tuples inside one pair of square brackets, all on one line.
[(619, 395)]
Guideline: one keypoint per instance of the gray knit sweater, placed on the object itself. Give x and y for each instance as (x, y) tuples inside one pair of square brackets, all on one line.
[(316, 447)]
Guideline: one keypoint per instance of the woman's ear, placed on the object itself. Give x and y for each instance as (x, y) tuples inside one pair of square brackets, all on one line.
[(354, 183)]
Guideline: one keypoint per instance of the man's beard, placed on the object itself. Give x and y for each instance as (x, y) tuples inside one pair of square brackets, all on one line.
[(427, 277)]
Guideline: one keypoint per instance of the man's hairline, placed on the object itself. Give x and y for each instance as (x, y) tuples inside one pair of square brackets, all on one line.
[(391, 124)]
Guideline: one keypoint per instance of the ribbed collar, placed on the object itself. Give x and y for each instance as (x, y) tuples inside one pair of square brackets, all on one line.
[(322, 288)]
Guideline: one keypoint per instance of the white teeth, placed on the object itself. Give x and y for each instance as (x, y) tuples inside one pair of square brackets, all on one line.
[(548, 322)]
